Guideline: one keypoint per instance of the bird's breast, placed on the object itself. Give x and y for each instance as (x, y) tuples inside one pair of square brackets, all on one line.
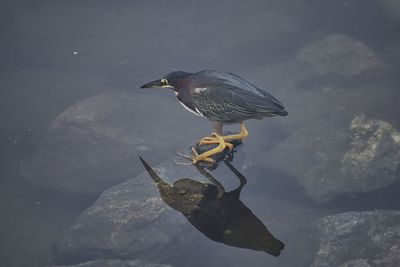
[(189, 107)]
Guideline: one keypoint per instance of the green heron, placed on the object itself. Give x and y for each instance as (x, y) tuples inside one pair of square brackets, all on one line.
[(223, 98)]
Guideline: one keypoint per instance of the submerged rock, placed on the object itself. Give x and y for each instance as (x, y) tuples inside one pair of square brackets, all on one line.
[(329, 161), (373, 160), (94, 144), (128, 221), (369, 238), (117, 263), (332, 82), (336, 54)]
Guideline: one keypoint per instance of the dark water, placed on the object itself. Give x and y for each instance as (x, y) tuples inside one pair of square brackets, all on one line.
[(55, 53)]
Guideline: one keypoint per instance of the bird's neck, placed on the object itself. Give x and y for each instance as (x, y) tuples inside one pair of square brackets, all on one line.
[(181, 86)]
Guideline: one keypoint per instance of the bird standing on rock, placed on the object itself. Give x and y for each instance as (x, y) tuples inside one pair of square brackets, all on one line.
[(223, 98)]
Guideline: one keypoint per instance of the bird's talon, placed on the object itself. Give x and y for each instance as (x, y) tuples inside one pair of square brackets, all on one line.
[(195, 153), (229, 146), (193, 159), (182, 163), (184, 156)]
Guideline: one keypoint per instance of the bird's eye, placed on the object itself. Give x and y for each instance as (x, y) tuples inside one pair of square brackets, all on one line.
[(164, 81)]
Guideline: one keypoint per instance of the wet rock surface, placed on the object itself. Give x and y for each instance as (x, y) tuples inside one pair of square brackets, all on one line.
[(335, 55), (94, 144), (369, 238), (117, 263), (329, 161), (331, 148), (129, 221), (373, 160)]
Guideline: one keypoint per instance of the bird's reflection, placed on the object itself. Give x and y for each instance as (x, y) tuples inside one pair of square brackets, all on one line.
[(219, 215)]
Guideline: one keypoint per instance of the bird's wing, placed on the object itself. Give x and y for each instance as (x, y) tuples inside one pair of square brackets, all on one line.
[(235, 82), (227, 97)]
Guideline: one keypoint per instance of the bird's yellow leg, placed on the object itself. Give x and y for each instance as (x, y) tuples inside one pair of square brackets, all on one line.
[(213, 140), (242, 135), (209, 140), (206, 156)]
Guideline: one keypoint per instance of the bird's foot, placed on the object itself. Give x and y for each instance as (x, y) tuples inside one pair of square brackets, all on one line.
[(197, 157), (213, 139), (184, 163), (193, 159), (207, 155), (227, 138)]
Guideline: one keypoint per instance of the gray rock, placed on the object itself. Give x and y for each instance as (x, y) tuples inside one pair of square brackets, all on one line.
[(373, 160), (369, 238), (330, 82), (94, 144), (329, 161), (53, 94), (117, 263), (129, 221), (336, 54)]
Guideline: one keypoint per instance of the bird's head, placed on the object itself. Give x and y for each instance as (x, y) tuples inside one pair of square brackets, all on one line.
[(172, 80)]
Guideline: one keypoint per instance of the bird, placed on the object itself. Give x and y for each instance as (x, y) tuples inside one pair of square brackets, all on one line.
[(223, 98)]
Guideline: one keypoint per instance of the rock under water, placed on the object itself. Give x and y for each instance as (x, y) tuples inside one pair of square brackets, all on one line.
[(329, 161), (368, 238), (94, 144)]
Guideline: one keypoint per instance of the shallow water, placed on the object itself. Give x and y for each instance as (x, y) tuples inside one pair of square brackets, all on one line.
[(55, 54)]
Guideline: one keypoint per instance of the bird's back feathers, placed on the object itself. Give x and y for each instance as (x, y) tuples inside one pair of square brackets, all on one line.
[(226, 97)]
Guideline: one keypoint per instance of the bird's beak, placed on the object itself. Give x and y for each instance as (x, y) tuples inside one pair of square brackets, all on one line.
[(161, 83), (153, 84)]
